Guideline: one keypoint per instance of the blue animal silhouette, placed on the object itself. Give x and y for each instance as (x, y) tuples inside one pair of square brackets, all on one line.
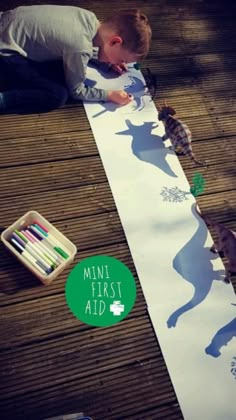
[(148, 147), (193, 263), (137, 89), (223, 336)]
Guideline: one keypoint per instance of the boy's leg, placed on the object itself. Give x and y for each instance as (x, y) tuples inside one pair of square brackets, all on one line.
[(27, 90)]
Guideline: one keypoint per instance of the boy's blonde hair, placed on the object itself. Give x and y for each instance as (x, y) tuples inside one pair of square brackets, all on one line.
[(134, 29)]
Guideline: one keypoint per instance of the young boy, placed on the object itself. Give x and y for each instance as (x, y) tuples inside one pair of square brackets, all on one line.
[(33, 35)]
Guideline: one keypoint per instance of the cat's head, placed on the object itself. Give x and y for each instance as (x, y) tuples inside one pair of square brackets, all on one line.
[(164, 111)]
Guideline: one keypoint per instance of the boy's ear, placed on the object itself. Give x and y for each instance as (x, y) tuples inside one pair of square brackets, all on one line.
[(116, 40)]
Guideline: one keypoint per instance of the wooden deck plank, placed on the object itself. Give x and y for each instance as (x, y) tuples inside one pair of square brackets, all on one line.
[(17, 284), (93, 200), (32, 150), (56, 175), (34, 147), (44, 318), (61, 204), (78, 393), (50, 147), (51, 176), (76, 347)]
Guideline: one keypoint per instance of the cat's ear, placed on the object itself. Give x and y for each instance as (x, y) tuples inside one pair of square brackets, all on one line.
[(171, 110)]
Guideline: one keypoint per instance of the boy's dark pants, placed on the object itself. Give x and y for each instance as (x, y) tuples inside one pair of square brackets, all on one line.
[(31, 86)]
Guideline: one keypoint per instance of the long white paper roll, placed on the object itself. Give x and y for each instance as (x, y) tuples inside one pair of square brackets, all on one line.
[(190, 306)]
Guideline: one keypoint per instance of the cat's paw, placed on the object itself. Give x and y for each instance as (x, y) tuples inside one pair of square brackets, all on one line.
[(213, 249)]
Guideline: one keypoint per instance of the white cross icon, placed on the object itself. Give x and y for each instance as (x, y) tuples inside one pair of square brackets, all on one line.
[(116, 307)]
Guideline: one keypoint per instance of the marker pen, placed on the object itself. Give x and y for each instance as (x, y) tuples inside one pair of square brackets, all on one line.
[(39, 250), (44, 253), (135, 66), (48, 249), (48, 254), (48, 234), (25, 255), (41, 226), (50, 240), (32, 250), (50, 237), (36, 231)]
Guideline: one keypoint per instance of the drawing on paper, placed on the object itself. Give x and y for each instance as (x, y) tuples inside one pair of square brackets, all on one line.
[(174, 195), (138, 90)]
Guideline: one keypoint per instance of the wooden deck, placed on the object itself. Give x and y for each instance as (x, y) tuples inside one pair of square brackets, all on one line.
[(51, 363)]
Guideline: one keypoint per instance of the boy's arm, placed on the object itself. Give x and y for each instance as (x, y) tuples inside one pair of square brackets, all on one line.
[(75, 65)]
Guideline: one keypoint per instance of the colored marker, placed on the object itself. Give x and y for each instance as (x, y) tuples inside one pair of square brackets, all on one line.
[(40, 251), (25, 255), (51, 256), (135, 66), (39, 263), (46, 233), (38, 239), (50, 236), (35, 231), (38, 248), (50, 239), (41, 226), (14, 236), (22, 234), (19, 237), (61, 252)]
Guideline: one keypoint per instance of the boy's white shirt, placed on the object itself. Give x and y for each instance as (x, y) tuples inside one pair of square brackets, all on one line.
[(50, 32)]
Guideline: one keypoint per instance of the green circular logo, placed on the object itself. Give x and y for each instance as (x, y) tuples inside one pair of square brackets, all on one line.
[(100, 291)]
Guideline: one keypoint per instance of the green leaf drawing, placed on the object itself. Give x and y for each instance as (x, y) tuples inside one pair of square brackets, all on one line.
[(198, 184)]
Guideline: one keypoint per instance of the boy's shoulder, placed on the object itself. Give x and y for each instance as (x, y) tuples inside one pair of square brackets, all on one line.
[(52, 9), (69, 20)]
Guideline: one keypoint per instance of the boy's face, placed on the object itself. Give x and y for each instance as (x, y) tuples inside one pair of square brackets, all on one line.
[(114, 53)]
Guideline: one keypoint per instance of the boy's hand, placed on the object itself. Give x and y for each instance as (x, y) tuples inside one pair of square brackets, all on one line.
[(119, 97), (119, 68)]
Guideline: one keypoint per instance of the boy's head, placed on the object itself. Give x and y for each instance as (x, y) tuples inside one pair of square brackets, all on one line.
[(126, 37)]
